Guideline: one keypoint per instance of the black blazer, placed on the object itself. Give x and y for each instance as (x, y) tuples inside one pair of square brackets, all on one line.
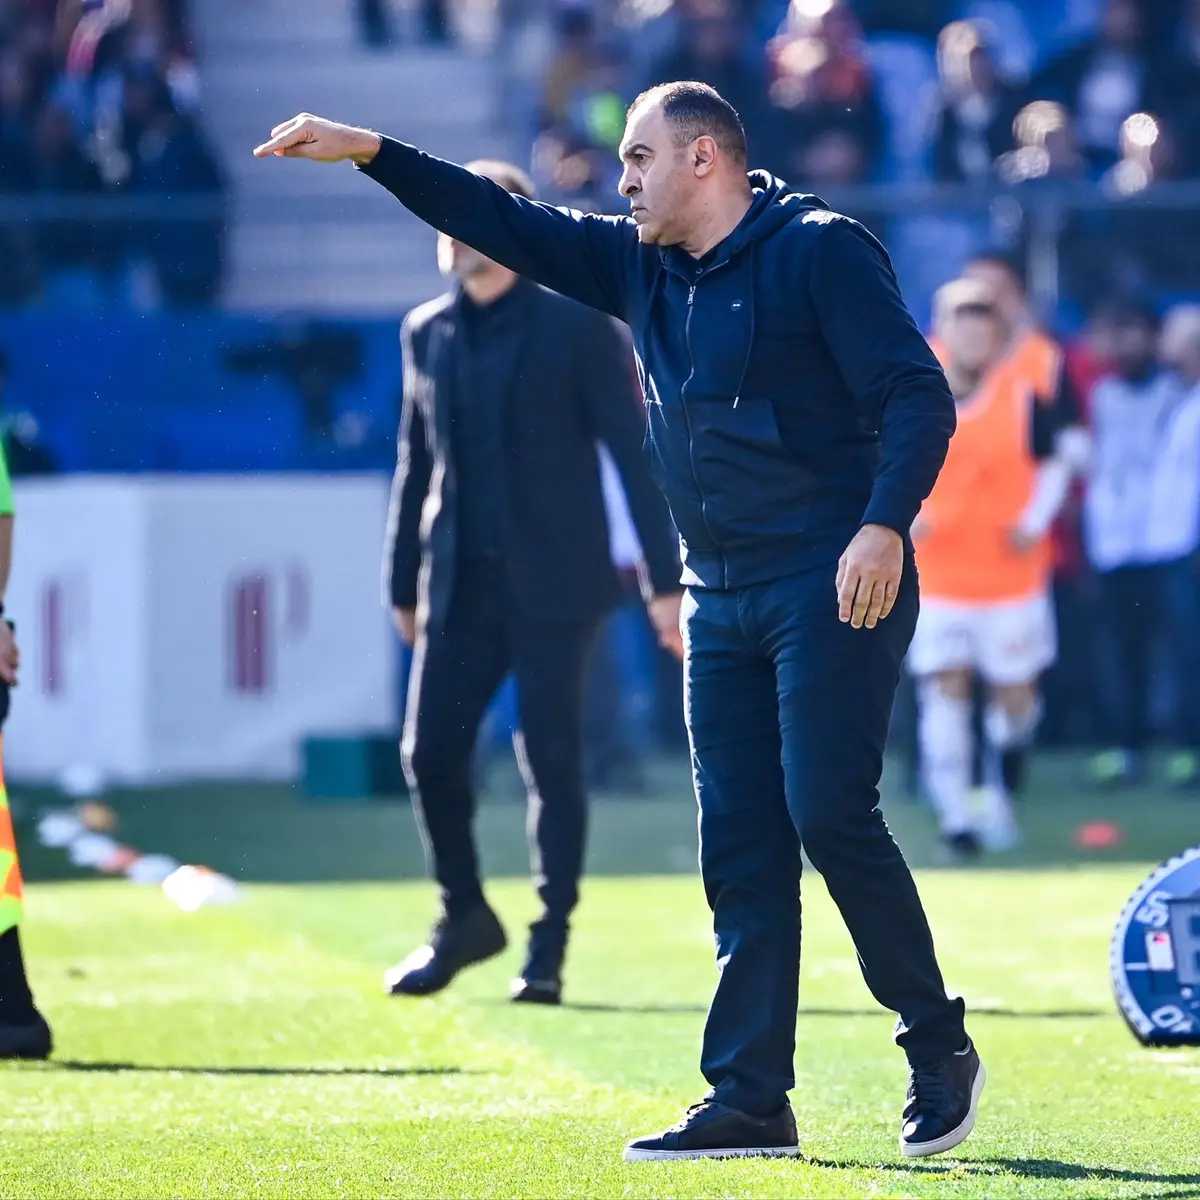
[(573, 385)]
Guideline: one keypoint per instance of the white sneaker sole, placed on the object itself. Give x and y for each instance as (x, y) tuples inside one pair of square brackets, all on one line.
[(632, 1155), (955, 1136)]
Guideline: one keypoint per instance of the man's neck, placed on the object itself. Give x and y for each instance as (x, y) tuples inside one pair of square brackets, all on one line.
[(717, 224), (488, 286)]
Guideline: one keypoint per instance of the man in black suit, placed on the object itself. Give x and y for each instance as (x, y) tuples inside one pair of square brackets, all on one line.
[(498, 561)]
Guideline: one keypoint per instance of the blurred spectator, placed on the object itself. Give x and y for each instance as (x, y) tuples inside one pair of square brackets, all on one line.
[(1175, 535), (373, 22), (569, 69), (1103, 80), (170, 158), (95, 97), (712, 49), (25, 453), (920, 17), (1130, 410), (1148, 153), (582, 117), (823, 96), (974, 120), (1181, 87), (1047, 148)]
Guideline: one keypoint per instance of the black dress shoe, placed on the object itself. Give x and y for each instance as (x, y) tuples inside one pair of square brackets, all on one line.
[(535, 991), (454, 944), (712, 1130), (31, 1041), (943, 1097)]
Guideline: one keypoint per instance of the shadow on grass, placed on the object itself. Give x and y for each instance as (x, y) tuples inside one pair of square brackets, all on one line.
[(154, 1068), (1061, 1014), (1026, 1168)]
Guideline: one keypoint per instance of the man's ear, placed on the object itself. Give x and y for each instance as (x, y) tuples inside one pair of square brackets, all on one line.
[(704, 155)]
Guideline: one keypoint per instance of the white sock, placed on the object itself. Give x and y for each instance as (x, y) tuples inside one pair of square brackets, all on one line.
[(997, 821), (946, 745)]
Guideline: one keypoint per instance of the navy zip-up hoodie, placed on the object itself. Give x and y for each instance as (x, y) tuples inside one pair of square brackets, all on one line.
[(791, 396)]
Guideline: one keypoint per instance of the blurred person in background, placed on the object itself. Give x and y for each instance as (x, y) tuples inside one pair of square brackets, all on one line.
[(581, 117), (1174, 536), (973, 124), (1130, 411), (18, 99), (1180, 92), (1047, 150), (984, 556), (1104, 79), (825, 110), (712, 49), (1039, 359), (497, 561), (170, 158), (374, 23), (24, 1032)]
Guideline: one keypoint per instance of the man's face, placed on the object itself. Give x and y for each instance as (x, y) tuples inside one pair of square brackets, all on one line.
[(974, 338), (1000, 282), (658, 180), (457, 258)]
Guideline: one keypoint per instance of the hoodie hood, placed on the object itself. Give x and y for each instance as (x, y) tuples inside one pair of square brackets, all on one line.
[(773, 206)]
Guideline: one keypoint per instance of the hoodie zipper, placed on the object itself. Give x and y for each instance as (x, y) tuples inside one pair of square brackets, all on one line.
[(687, 337)]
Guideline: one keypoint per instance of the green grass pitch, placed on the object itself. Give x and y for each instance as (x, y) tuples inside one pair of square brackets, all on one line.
[(249, 1051)]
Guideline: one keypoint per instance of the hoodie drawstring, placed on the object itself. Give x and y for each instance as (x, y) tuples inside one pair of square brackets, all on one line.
[(750, 344)]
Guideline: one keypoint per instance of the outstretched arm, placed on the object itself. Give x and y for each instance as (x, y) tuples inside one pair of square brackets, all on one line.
[(580, 255)]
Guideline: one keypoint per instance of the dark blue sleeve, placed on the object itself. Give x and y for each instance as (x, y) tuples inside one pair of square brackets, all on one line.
[(897, 384), (410, 486), (580, 255)]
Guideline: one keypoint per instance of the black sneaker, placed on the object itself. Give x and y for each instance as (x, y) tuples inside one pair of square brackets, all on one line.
[(540, 981), (32, 1041), (712, 1130), (454, 944), (961, 849), (535, 991), (943, 1097)]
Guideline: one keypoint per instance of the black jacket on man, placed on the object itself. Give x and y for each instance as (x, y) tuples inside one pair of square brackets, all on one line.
[(571, 386), (816, 405)]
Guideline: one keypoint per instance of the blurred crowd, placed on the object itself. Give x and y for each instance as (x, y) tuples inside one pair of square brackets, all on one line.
[(1029, 96), (98, 98), (852, 91)]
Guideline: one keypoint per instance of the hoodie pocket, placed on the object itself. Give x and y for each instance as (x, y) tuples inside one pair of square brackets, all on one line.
[(753, 486)]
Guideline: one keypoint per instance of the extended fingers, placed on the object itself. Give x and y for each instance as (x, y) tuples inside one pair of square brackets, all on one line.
[(283, 138)]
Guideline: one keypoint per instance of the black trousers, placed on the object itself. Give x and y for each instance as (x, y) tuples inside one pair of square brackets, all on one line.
[(1132, 611), (456, 671), (788, 713)]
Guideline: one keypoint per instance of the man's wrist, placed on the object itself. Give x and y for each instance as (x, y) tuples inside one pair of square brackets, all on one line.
[(371, 143), (885, 528)]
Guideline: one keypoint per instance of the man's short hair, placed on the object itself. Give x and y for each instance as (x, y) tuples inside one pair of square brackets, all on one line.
[(1010, 264), (696, 110), (509, 176), (964, 296)]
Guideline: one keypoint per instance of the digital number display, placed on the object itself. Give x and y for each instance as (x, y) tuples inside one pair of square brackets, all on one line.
[(1155, 955), (1185, 934)]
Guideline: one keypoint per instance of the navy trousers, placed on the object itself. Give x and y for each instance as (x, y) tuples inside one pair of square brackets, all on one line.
[(788, 713), (456, 671)]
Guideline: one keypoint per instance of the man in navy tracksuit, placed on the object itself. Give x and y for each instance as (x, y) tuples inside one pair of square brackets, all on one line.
[(797, 421)]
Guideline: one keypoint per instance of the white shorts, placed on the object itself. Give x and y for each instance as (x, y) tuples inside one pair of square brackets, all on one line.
[(1009, 642)]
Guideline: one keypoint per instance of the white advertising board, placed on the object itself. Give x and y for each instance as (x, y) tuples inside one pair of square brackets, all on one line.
[(196, 628)]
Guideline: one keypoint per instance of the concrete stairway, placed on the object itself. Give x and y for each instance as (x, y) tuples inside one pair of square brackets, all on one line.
[(316, 238)]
